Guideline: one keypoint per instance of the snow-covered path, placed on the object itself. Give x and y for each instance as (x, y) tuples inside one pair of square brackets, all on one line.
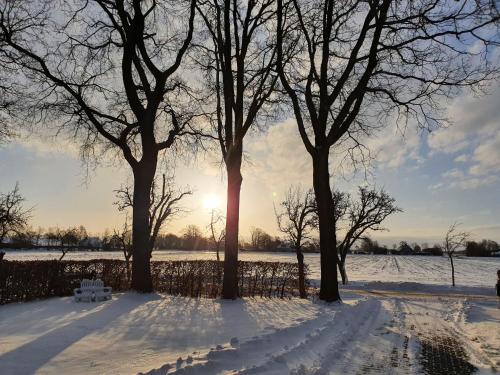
[(380, 334), (372, 332)]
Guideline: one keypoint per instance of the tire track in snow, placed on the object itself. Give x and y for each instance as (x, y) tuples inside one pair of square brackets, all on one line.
[(340, 360), (444, 349), (383, 349), (325, 349)]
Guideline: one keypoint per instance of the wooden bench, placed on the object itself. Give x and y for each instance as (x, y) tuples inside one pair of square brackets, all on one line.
[(92, 290)]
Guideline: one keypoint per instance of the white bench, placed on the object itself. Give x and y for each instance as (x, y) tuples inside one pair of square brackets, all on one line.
[(92, 290)]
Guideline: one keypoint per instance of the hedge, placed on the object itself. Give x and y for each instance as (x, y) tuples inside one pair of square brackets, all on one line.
[(28, 280)]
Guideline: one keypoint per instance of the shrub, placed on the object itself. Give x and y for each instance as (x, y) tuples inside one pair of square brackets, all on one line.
[(28, 280)]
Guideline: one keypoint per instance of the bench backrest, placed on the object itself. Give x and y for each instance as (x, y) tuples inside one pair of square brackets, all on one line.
[(90, 284)]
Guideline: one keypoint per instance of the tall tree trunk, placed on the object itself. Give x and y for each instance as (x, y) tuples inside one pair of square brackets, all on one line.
[(141, 267), (452, 271), (234, 179), (302, 279), (329, 288)]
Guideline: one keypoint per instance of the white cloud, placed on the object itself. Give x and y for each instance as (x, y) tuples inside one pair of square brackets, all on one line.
[(454, 173), (447, 140), (278, 157), (393, 149), (473, 119), (462, 158), (42, 146), (486, 157), (458, 179), (475, 132)]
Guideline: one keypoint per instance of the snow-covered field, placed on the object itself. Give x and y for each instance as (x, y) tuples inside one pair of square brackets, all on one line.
[(368, 334), (471, 272)]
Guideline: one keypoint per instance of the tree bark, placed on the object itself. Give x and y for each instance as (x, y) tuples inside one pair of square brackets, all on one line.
[(452, 271), (302, 282), (234, 180), (141, 267), (329, 288), (342, 270)]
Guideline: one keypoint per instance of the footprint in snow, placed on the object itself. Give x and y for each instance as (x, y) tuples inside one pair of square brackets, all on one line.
[(279, 359), (178, 364)]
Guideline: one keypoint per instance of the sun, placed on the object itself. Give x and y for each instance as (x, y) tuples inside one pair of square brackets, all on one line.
[(211, 201)]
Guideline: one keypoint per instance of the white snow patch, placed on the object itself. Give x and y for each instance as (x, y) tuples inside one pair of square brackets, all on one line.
[(133, 332)]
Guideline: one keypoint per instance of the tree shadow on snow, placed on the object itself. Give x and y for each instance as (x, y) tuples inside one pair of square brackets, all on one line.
[(28, 358), (182, 323)]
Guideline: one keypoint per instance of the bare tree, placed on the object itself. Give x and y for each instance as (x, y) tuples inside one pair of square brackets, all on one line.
[(454, 240), (70, 238), (238, 61), (7, 98), (352, 65), (108, 73), (5, 104), (193, 238), (356, 216), (297, 219), (13, 216), (164, 205), (123, 237), (217, 235), (260, 239)]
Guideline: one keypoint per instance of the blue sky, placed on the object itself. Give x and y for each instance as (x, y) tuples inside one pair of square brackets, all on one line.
[(451, 174)]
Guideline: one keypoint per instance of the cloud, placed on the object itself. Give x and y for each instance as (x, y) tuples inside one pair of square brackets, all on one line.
[(45, 146), (462, 158), (473, 119), (483, 168), (393, 149), (458, 179), (447, 140), (486, 157), (454, 173), (475, 133), (278, 157)]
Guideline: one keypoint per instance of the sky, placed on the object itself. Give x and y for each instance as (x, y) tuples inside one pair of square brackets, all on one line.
[(451, 174)]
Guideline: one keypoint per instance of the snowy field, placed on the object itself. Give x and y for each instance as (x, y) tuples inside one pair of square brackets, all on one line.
[(470, 272), (157, 334)]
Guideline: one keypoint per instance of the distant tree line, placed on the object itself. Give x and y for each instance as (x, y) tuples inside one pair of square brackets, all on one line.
[(485, 248), (16, 232)]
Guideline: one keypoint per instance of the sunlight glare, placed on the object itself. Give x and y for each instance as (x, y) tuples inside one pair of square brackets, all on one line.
[(211, 201)]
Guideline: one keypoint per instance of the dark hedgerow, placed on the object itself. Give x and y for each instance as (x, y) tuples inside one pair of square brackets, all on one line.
[(28, 280)]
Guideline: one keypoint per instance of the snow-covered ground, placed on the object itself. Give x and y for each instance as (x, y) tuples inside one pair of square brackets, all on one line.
[(399, 316), (370, 333), (470, 272)]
